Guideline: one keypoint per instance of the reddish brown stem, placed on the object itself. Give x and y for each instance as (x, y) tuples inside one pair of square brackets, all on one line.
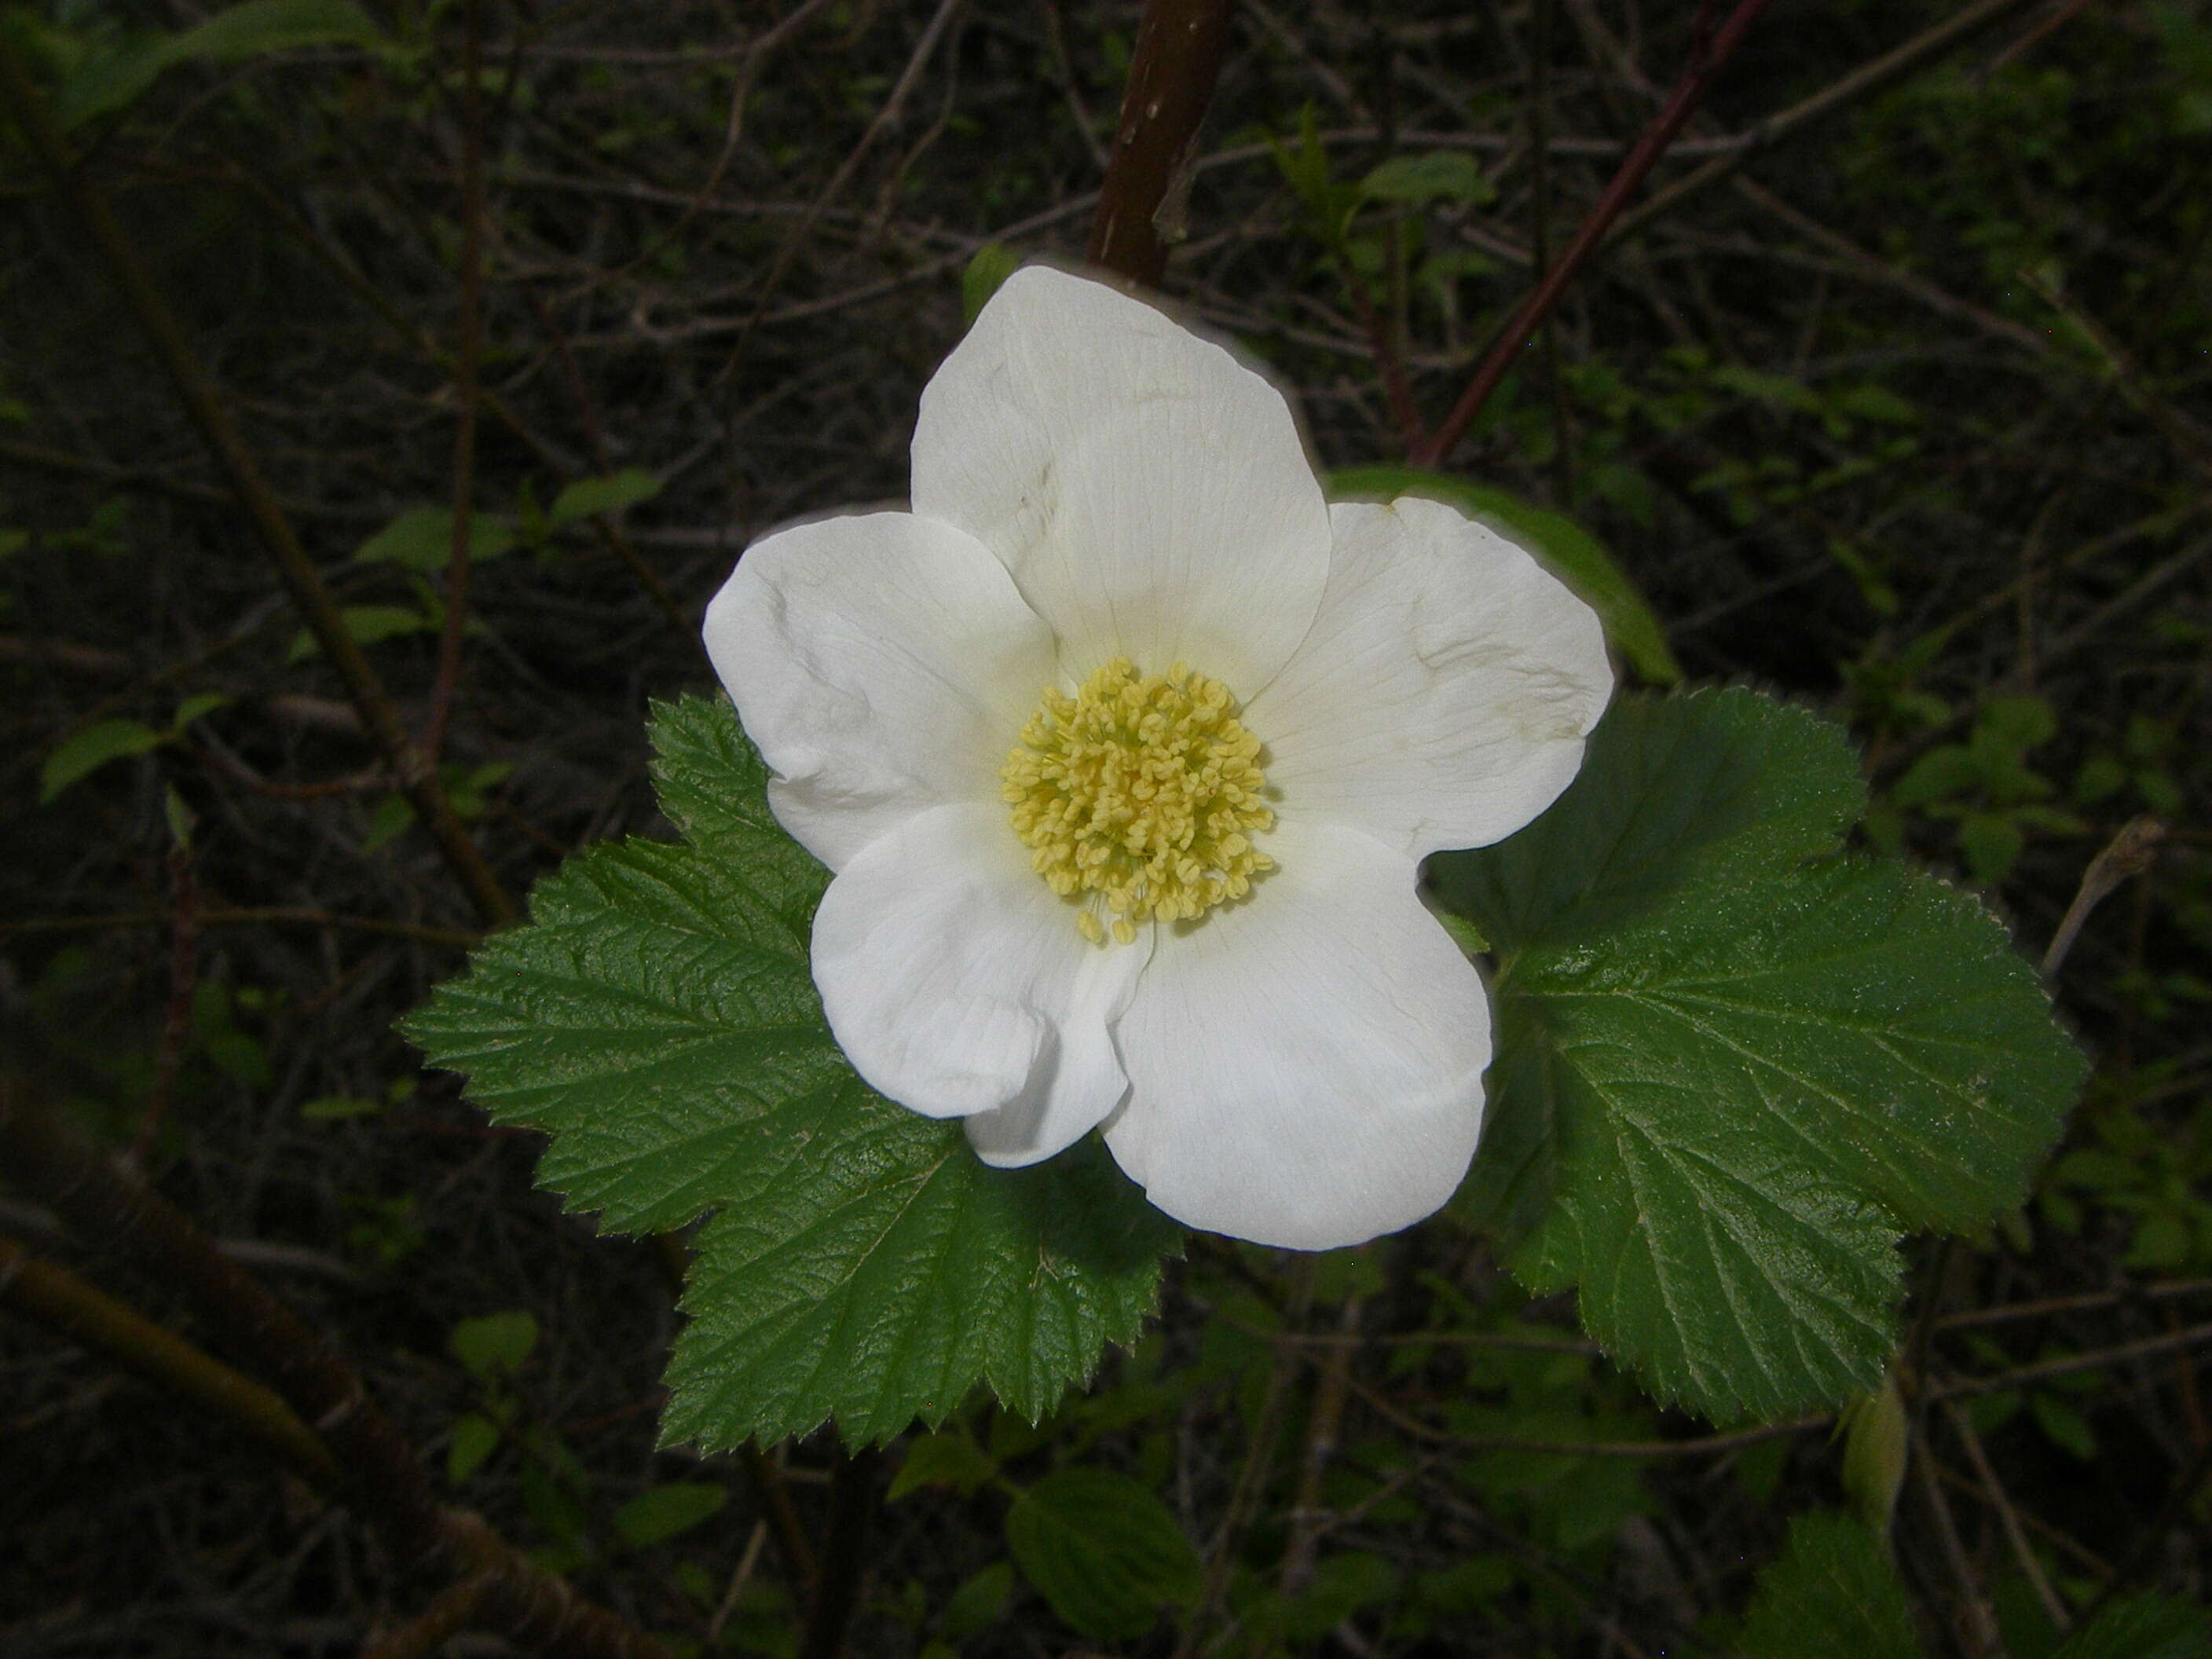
[(1706, 59), (1180, 48)]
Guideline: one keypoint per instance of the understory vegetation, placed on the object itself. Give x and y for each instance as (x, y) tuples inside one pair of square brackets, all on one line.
[(1889, 394)]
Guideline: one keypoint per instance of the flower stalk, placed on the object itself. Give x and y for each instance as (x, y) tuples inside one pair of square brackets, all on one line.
[(1172, 74)]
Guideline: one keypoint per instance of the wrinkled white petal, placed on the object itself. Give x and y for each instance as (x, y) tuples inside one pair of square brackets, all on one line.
[(1149, 493), (1305, 1068), (882, 663), (955, 983), (1442, 696)]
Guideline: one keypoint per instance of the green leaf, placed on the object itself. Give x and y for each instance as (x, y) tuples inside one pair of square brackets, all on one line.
[(1553, 540), (1832, 1592), (198, 707), (659, 1020), (92, 749), (951, 1459), (992, 264), (2143, 1627), (112, 78), (365, 624), (422, 538), (655, 1516), (493, 1346), (1734, 1065), (476, 1437), (1451, 175), (977, 1604), (1103, 1550), (589, 496), (1876, 1440)]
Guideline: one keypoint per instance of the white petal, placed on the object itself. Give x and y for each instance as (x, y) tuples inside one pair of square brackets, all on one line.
[(1148, 491), (884, 664), (957, 986), (1305, 1068), (1442, 696)]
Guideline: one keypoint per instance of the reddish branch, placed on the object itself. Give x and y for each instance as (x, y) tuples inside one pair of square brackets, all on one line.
[(1172, 72), (1707, 57)]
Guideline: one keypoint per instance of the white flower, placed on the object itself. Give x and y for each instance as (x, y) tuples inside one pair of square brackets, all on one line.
[(1124, 746)]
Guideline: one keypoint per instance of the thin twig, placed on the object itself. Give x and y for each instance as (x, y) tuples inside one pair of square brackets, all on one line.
[(1707, 56), (1324, 1423), (466, 350), (1954, 1387), (1706, 1445), (1993, 1493), (1984, 1639), (286, 915), (855, 1494), (1853, 88)]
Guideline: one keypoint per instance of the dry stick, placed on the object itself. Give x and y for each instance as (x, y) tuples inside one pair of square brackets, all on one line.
[(488, 400), (278, 914), (1178, 60), (1705, 1445), (888, 113), (383, 1483), (446, 1618), (2143, 1349), (2129, 853), (1251, 1478), (466, 350), (1983, 1639), (1309, 1519), (65, 1304), (1706, 59), (1861, 83), (1993, 1493), (128, 272)]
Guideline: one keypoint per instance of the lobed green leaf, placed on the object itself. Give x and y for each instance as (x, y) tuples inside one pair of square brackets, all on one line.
[(1735, 1066), (658, 1020)]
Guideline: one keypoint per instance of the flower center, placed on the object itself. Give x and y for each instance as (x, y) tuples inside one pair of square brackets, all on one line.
[(1139, 794)]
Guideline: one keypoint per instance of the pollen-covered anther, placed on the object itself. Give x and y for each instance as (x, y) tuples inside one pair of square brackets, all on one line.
[(1138, 795)]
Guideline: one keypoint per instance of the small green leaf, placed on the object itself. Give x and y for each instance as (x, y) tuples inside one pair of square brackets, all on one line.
[(1449, 175), (182, 819), (1103, 1550), (334, 1108), (92, 749), (1832, 1592), (1876, 1437), (393, 814), (977, 1604), (659, 1019), (266, 25), (2064, 1426), (655, 1516), (1553, 540), (195, 708), (476, 1437), (1735, 1066), (492, 1347), (365, 624), (587, 497), (951, 1459), (992, 264), (2143, 1627), (422, 538)]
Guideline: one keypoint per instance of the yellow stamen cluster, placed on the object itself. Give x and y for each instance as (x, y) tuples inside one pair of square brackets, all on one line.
[(1142, 790)]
